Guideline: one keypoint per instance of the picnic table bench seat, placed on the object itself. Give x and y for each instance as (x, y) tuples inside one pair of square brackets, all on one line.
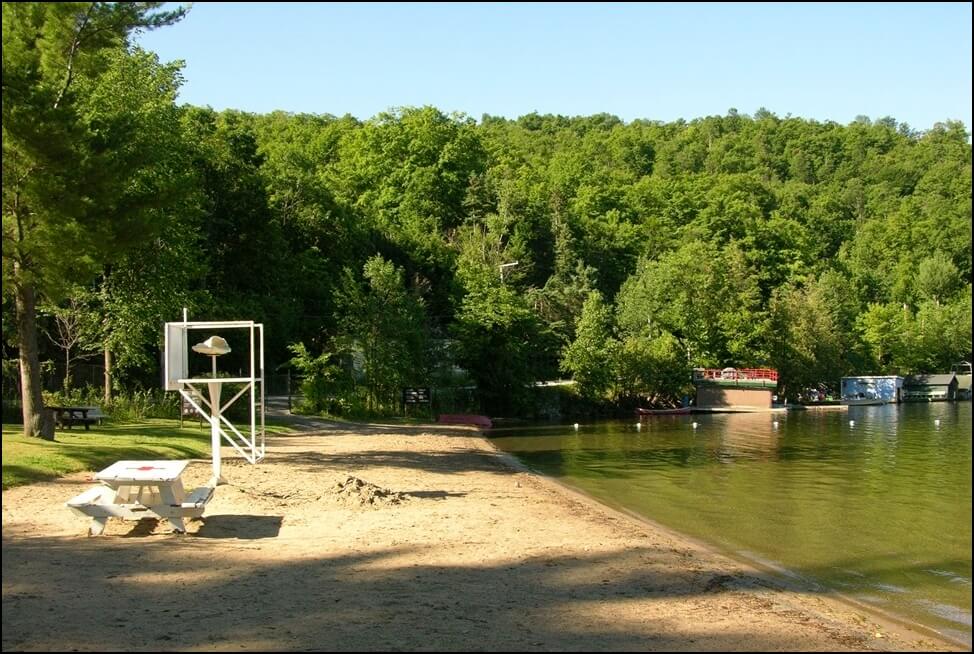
[(198, 499), (103, 502)]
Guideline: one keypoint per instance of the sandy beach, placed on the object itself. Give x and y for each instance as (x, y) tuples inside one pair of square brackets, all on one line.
[(396, 538)]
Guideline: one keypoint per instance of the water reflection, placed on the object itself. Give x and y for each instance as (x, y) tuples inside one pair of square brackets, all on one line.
[(748, 435)]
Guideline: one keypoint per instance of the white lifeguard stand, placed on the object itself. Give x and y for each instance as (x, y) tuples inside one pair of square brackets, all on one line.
[(178, 338)]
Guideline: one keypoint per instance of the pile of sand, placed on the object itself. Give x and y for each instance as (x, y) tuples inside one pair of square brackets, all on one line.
[(357, 492)]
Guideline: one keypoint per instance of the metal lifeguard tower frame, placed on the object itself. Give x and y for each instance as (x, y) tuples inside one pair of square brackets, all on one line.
[(177, 378)]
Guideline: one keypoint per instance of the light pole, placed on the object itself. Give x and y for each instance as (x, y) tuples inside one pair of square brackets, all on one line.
[(506, 265)]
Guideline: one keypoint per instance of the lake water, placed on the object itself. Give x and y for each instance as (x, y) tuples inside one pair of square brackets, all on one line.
[(879, 510)]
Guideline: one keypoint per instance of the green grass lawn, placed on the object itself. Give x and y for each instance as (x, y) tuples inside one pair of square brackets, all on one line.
[(26, 460)]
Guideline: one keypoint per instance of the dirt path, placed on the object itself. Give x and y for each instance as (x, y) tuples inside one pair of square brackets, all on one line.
[(435, 543)]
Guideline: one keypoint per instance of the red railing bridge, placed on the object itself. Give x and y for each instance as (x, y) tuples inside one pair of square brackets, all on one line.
[(734, 374)]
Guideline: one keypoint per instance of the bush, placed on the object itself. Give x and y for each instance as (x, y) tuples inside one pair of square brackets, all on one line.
[(126, 406)]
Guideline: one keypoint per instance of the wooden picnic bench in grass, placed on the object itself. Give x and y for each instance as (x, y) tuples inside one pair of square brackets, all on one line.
[(187, 410), (68, 416), (133, 490)]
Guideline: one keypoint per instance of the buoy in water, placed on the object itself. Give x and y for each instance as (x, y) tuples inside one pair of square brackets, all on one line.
[(695, 425), (852, 423), (775, 424), (639, 425), (937, 422), (576, 425)]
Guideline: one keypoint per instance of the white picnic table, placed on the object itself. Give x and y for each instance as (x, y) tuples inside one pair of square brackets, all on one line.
[(138, 489)]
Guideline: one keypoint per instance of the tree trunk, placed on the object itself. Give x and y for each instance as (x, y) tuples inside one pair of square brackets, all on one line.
[(38, 422), (67, 382), (108, 376)]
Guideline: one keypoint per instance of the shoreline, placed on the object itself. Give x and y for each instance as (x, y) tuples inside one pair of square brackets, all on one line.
[(459, 547), (781, 579)]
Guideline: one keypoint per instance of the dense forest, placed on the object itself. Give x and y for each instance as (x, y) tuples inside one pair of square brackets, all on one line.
[(422, 248)]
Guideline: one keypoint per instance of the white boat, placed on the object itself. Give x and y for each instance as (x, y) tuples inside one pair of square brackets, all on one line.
[(863, 401)]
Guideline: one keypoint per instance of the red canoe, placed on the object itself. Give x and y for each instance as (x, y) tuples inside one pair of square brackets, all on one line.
[(464, 419)]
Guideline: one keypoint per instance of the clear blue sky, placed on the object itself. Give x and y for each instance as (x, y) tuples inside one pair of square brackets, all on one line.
[(654, 61)]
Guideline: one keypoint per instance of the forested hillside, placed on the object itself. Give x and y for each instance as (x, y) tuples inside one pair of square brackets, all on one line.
[(642, 249)]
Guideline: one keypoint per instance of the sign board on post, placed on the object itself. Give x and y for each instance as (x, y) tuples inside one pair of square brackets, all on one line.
[(415, 395)]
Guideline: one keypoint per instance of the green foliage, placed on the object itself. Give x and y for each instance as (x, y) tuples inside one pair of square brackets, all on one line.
[(818, 248), (591, 356), (386, 323), (126, 406), (498, 337), (90, 175), (320, 380), (812, 337), (247, 268), (941, 332), (883, 328), (500, 340), (74, 329), (937, 278), (704, 297), (929, 339), (91, 154), (652, 368)]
